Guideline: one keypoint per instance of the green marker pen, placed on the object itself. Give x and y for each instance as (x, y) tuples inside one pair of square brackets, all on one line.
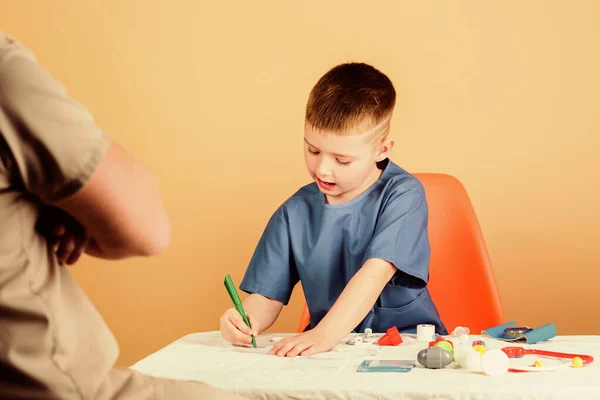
[(237, 302)]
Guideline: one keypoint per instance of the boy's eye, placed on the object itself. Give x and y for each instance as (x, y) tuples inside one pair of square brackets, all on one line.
[(311, 151), (343, 162)]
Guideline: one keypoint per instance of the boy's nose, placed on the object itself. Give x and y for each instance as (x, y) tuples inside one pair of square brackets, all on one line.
[(323, 169)]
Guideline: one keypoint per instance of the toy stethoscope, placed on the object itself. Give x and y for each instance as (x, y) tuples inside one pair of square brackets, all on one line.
[(518, 352)]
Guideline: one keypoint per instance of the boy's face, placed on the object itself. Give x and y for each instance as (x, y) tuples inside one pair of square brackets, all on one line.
[(343, 166)]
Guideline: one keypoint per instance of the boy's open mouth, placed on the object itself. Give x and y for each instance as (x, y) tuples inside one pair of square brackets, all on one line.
[(325, 185)]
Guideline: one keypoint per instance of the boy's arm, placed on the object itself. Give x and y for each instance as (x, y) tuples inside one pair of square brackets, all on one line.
[(357, 298), (261, 312), (265, 310), (354, 303)]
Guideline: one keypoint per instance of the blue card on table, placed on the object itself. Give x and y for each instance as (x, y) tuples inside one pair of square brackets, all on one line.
[(386, 366)]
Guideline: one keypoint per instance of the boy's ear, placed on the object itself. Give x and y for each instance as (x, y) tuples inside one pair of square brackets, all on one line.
[(385, 148)]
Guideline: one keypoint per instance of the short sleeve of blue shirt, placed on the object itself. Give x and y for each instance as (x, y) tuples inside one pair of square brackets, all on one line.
[(272, 272), (400, 237)]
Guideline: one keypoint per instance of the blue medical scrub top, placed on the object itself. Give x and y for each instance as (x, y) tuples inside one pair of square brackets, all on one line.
[(324, 245)]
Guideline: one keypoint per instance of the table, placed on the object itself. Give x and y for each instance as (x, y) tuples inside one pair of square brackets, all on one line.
[(256, 375)]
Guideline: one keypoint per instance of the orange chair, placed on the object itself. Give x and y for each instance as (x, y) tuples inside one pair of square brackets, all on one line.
[(461, 279)]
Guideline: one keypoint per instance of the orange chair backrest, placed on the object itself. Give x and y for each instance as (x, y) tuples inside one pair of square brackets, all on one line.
[(461, 279)]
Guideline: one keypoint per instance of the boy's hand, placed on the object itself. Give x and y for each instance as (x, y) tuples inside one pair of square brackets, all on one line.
[(64, 234), (235, 330), (304, 344)]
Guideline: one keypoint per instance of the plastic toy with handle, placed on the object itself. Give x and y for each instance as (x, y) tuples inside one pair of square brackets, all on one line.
[(518, 352)]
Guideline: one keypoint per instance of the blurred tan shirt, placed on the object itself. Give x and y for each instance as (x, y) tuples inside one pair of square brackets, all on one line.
[(53, 342)]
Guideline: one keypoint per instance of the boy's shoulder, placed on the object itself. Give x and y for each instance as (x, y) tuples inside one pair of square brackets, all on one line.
[(299, 203), (307, 191), (307, 194), (397, 180)]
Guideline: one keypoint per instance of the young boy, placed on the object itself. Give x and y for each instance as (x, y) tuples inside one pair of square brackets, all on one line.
[(356, 237)]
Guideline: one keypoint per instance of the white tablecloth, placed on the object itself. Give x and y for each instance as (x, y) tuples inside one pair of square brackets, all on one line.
[(254, 374)]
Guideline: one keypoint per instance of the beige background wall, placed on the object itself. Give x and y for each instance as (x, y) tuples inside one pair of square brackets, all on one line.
[(210, 96)]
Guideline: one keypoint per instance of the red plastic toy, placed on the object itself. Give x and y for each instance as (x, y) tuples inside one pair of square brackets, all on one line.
[(518, 352), (391, 338)]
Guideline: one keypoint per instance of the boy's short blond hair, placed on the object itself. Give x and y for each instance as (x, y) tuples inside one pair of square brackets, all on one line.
[(352, 98)]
